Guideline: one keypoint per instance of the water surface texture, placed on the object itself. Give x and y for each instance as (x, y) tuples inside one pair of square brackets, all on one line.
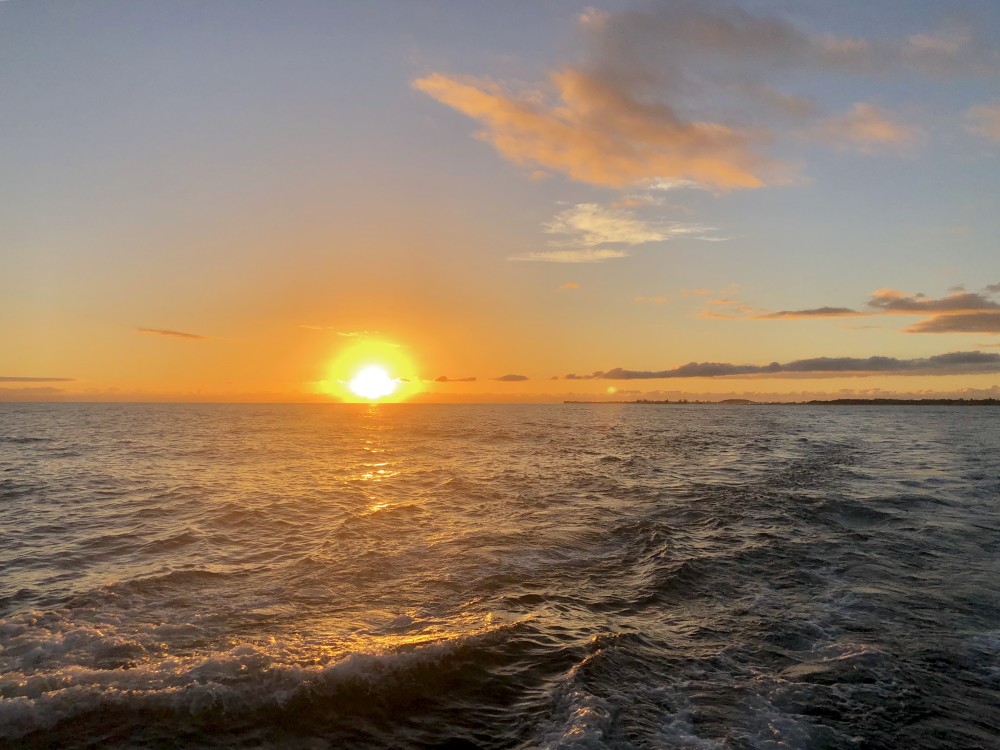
[(574, 576)]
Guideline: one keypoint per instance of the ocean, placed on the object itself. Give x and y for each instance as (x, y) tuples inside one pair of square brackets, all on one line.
[(502, 576)]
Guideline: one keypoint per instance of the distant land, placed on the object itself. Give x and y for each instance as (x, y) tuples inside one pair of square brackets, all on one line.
[(818, 402)]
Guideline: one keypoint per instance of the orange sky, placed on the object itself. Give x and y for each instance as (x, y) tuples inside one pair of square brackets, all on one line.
[(249, 201)]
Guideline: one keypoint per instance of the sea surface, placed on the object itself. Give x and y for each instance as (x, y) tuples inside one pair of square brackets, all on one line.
[(557, 576)]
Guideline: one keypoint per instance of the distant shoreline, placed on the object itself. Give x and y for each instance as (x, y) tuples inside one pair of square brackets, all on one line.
[(816, 402)]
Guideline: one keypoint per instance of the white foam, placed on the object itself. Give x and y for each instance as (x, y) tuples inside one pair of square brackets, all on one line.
[(51, 672)]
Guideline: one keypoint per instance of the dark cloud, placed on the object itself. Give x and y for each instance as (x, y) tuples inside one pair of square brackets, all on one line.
[(511, 378), (15, 379), (172, 334), (446, 379), (954, 363), (892, 301), (958, 311), (816, 312), (981, 322)]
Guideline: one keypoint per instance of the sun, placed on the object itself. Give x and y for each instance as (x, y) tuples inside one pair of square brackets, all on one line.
[(372, 382), (370, 370)]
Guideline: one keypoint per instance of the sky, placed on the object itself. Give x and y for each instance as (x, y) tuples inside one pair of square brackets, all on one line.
[(250, 201)]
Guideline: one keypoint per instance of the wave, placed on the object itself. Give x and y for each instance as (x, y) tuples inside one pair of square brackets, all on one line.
[(249, 689)]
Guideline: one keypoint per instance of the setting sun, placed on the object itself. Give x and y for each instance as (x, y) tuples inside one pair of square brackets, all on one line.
[(372, 382)]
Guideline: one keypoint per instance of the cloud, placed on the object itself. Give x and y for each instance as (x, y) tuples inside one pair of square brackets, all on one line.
[(570, 285), (584, 232), (984, 120), (867, 129), (958, 311), (657, 300), (950, 51), (572, 256), (600, 133), (516, 378), (897, 302), (816, 312), (17, 379), (695, 91), (981, 322), (446, 379), (953, 363), (590, 225), (172, 334)]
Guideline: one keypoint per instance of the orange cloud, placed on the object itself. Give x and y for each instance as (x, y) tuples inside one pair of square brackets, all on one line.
[(601, 134), (868, 128)]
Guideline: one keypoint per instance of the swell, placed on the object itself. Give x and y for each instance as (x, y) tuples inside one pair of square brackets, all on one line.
[(252, 692)]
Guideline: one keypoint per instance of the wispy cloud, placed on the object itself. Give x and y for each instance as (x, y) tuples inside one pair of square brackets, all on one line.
[(984, 120), (172, 334), (572, 256), (569, 285), (953, 363), (356, 334), (658, 299), (868, 128), (589, 233), (590, 225)]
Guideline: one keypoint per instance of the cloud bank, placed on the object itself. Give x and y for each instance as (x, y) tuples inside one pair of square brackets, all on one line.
[(953, 363)]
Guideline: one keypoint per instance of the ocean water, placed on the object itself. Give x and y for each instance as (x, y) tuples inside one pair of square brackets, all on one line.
[(562, 576)]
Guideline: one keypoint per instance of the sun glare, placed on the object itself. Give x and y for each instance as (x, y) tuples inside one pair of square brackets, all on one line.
[(372, 382), (371, 370)]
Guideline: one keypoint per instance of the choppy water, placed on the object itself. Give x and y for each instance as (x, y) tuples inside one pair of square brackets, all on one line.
[(499, 576)]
